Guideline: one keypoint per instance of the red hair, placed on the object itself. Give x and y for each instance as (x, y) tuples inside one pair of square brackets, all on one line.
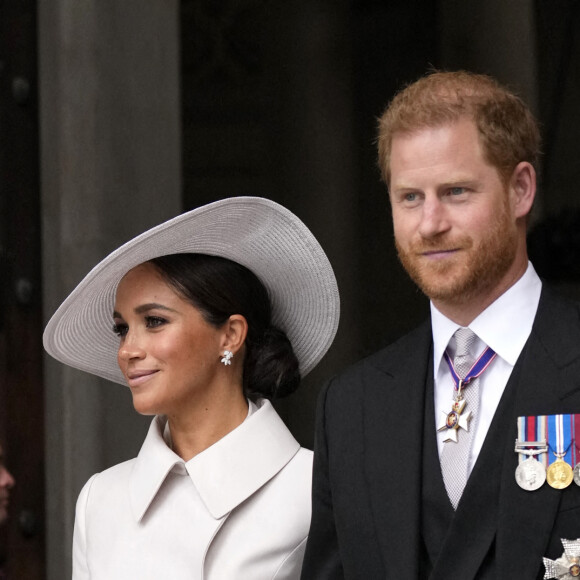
[(508, 131)]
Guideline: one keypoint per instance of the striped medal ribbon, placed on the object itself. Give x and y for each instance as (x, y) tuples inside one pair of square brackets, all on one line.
[(576, 448)]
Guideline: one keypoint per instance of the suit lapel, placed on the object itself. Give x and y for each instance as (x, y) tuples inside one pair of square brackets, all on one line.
[(549, 384), (393, 427), (545, 380)]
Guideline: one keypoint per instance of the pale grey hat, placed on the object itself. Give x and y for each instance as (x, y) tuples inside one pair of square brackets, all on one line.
[(258, 233)]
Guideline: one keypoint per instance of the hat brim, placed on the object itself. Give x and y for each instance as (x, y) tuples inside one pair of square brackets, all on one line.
[(258, 233)]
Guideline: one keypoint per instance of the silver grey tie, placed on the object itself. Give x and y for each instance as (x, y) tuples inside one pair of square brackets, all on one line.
[(455, 455)]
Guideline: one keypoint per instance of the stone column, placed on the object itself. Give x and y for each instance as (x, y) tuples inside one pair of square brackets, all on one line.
[(110, 150)]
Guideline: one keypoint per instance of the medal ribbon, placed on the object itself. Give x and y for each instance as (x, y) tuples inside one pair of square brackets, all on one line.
[(542, 435), (528, 430), (560, 433), (478, 367), (575, 447), (531, 434), (568, 426)]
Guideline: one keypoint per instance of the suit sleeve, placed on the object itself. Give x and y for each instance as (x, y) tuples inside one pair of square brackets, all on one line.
[(322, 559)]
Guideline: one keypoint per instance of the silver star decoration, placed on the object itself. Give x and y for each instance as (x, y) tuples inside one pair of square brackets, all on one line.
[(568, 565), (462, 421)]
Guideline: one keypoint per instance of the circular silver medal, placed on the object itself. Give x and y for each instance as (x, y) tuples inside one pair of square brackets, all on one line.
[(530, 474), (577, 474)]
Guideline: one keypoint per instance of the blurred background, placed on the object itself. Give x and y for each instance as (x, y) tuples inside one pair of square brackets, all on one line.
[(118, 114)]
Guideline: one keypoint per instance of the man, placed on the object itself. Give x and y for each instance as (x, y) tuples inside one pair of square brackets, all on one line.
[(414, 473), (6, 484)]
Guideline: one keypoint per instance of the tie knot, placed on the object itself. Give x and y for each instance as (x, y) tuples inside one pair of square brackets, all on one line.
[(464, 338)]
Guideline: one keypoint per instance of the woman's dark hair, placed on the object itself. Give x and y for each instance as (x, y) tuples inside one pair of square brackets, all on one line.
[(219, 288)]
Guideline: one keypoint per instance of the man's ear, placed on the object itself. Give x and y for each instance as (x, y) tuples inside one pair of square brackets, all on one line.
[(235, 332), (522, 188)]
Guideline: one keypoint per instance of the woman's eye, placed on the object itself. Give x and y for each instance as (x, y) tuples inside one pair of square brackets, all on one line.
[(410, 197), (120, 329), (154, 321)]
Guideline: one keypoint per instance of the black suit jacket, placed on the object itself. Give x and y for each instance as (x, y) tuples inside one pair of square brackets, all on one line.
[(368, 461)]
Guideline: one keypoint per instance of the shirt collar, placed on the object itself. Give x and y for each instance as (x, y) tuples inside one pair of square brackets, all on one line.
[(225, 474), (504, 325)]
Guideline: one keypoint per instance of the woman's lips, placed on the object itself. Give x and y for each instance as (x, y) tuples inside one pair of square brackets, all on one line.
[(136, 378)]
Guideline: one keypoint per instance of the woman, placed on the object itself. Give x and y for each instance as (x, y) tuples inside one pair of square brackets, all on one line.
[(214, 313)]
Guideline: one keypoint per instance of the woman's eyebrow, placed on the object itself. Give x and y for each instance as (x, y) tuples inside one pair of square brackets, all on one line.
[(145, 308)]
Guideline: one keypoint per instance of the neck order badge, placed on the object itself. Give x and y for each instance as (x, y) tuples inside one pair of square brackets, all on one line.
[(455, 457), (454, 419)]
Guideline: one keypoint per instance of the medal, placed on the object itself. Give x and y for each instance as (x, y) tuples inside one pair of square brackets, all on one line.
[(568, 565), (530, 474), (558, 433), (559, 474), (577, 474), (455, 419)]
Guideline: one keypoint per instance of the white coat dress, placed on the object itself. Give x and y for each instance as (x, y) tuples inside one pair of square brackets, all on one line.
[(239, 510)]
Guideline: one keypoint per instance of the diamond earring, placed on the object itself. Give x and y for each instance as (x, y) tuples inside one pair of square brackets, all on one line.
[(227, 357)]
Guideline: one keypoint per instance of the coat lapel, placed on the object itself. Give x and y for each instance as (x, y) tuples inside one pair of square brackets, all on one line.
[(545, 380), (235, 467), (549, 384), (393, 427)]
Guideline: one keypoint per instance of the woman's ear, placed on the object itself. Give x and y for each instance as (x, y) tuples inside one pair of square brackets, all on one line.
[(235, 332)]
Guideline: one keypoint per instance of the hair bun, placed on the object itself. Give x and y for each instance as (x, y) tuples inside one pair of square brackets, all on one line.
[(271, 369)]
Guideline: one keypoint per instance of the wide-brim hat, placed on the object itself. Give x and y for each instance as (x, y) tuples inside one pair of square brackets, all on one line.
[(258, 233)]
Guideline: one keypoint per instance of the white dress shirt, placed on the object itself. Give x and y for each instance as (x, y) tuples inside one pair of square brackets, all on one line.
[(505, 326)]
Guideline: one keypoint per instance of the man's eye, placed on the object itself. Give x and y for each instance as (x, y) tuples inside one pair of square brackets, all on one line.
[(457, 190)]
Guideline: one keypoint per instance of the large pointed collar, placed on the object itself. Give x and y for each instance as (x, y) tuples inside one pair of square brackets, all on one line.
[(154, 462), (225, 474)]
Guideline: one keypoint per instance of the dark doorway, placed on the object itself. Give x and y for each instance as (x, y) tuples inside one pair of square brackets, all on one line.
[(21, 389)]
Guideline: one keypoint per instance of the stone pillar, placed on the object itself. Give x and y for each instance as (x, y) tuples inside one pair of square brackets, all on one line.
[(110, 150)]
